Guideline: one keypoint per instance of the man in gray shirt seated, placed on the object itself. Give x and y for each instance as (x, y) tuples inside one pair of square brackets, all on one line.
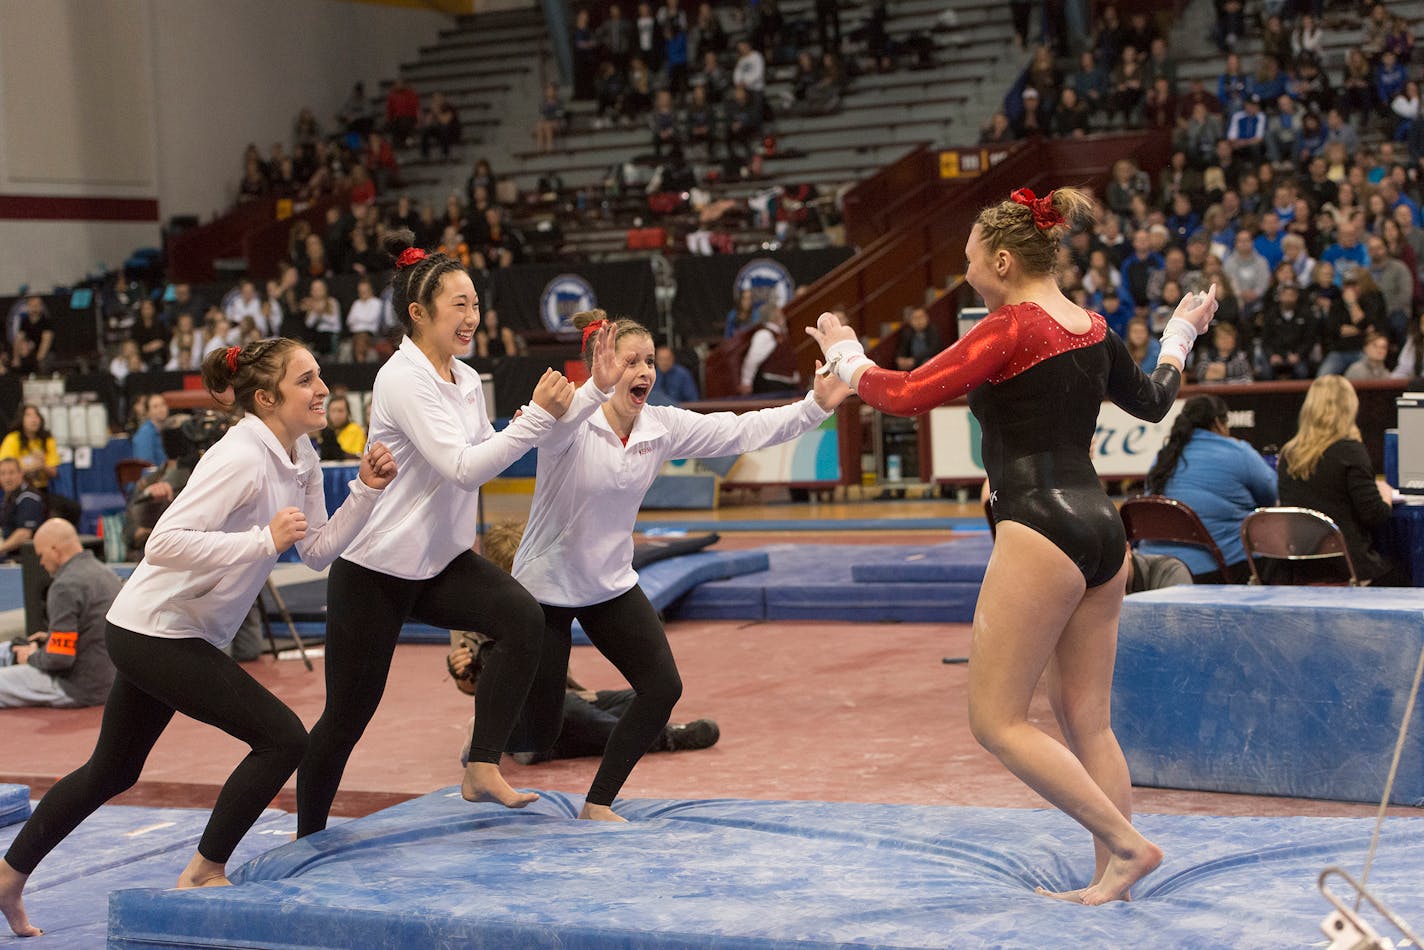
[(68, 665)]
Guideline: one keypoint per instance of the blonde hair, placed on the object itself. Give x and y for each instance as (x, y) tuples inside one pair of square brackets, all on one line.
[(1009, 226), (1326, 417), (627, 326), (501, 542)]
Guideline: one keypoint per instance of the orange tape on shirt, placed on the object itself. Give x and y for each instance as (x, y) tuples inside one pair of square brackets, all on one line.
[(63, 643)]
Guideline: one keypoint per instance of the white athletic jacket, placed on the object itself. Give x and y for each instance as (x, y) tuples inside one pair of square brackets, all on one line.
[(445, 449), (578, 545), (212, 550)]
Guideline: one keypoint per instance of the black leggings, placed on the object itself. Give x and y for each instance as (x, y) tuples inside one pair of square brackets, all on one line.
[(156, 677), (627, 630), (364, 614)]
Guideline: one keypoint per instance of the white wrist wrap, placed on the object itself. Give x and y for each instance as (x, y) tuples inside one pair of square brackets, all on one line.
[(843, 349), (1177, 339), (846, 366)]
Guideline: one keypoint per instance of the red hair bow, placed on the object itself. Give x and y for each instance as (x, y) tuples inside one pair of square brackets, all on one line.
[(590, 330), (409, 256), (1045, 216), (232, 353)]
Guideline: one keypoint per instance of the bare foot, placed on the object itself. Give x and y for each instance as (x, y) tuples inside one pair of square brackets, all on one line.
[(484, 783), (12, 882), (599, 813), (1074, 896), (1123, 872), (201, 872)]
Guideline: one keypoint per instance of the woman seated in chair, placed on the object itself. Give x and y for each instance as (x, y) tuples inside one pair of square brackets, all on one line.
[(1326, 467), (1220, 478)]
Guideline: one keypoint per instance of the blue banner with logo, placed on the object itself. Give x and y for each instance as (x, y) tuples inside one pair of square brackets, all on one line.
[(707, 287)]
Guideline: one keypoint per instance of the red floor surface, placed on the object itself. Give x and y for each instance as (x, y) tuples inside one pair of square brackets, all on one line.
[(808, 710)]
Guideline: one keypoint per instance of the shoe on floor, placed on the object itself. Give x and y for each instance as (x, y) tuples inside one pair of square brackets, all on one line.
[(698, 734)]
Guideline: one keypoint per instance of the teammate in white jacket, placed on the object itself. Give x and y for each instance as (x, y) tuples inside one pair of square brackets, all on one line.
[(412, 557), (577, 552), (253, 494)]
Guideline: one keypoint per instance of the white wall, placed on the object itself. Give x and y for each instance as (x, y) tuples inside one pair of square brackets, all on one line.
[(156, 99)]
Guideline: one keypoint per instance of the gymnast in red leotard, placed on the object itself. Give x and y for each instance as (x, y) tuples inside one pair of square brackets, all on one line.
[(1037, 370)]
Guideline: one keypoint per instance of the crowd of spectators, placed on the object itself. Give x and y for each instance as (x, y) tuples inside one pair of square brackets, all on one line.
[(1300, 199)]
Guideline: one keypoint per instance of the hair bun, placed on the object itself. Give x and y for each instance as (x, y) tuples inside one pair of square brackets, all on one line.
[(398, 242)]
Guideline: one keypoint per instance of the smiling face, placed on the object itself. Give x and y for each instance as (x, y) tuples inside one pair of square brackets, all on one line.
[(448, 327), (300, 404)]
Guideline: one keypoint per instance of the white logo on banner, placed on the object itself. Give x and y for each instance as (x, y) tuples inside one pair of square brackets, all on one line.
[(768, 280), (563, 297)]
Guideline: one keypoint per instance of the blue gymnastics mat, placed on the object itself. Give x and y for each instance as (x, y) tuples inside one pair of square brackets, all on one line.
[(1271, 690), (439, 872), (118, 847), (14, 804), (824, 582)]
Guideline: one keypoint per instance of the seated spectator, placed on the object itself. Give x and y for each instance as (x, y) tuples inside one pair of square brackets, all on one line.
[(1249, 273), (1089, 83), (322, 316), (744, 124), (1246, 132), (919, 340), (1142, 346), (1359, 312), (402, 112), (1159, 105), (147, 443), (1223, 360), (997, 130), (1033, 116), (363, 321), (663, 122), (356, 114), (30, 444), (1290, 332), (126, 362), (551, 119), (1411, 355), (700, 122), (1139, 267), (1129, 86), (1070, 118), (66, 666), (1220, 478), (1326, 467), (341, 438), (439, 126), (674, 384), (1371, 363), (1154, 572), (21, 511), (1116, 310), (1396, 285)]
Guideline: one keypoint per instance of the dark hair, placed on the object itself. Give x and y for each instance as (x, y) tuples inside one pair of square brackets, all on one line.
[(418, 282), (627, 326), (18, 425), (260, 367), (1198, 413)]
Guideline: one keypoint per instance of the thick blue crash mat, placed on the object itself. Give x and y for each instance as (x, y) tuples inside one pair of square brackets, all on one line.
[(961, 561), (120, 846), (823, 582), (1271, 690), (439, 872), (14, 804)]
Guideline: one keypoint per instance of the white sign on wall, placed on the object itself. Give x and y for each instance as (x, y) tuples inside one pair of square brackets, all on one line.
[(1123, 445)]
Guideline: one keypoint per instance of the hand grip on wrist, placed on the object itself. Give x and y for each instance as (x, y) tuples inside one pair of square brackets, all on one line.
[(1177, 339)]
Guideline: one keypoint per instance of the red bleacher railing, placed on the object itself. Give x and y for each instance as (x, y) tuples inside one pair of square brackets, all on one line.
[(924, 249)]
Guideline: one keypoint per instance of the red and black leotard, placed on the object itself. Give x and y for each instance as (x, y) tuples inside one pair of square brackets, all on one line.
[(1036, 389)]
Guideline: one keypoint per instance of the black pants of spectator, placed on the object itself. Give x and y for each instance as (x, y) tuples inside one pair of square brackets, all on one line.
[(828, 25), (400, 130), (157, 677), (588, 725), (628, 632), (439, 134), (364, 613), (1019, 10)]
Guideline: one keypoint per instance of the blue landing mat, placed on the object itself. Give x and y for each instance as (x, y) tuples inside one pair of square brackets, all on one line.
[(818, 582), (437, 871), (120, 847), (819, 524), (1271, 690), (14, 804)]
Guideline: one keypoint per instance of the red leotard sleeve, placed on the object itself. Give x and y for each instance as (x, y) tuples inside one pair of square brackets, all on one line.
[(972, 360)]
